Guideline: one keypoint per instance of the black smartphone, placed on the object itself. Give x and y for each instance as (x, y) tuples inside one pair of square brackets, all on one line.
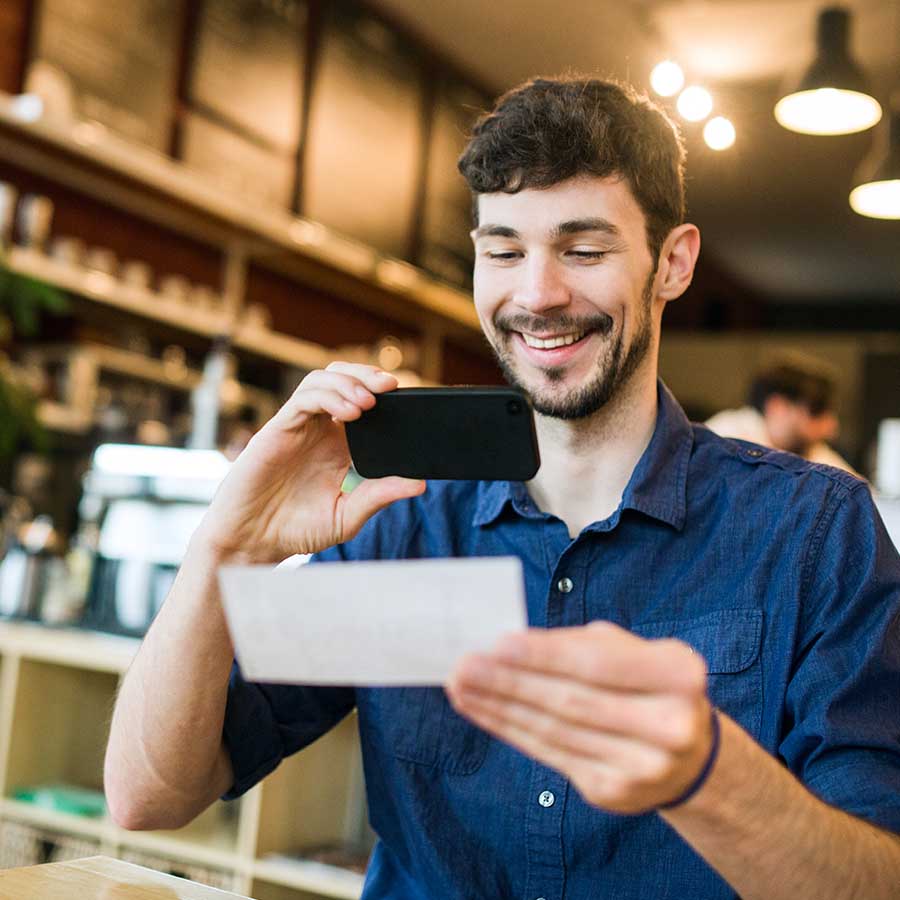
[(469, 433)]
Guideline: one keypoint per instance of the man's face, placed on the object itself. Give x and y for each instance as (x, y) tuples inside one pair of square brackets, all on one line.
[(564, 291), (794, 428)]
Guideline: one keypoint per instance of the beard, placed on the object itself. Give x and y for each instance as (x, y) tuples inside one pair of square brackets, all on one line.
[(615, 365)]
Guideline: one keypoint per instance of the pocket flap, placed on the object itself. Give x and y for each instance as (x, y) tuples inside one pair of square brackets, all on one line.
[(728, 639)]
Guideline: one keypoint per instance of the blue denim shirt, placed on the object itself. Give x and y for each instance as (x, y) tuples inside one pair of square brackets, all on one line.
[(777, 571)]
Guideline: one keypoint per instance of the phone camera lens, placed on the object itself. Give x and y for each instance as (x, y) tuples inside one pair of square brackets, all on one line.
[(514, 407)]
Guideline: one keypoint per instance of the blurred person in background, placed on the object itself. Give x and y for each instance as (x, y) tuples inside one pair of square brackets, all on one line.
[(790, 406)]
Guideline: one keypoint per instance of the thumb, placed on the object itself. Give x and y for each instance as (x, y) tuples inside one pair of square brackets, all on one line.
[(372, 495)]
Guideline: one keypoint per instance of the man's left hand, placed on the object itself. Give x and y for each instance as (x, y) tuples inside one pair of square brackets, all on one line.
[(625, 719)]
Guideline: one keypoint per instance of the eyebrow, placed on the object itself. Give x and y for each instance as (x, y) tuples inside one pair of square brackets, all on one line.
[(572, 226)]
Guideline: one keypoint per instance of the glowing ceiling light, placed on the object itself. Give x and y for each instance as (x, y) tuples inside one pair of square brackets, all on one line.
[(877, 200), (827, 111), (877, 191), (667, 79), (694, 103), (832, 96), (718, 133)]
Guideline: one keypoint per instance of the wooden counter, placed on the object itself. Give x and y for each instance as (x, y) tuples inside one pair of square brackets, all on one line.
[(101, 878)]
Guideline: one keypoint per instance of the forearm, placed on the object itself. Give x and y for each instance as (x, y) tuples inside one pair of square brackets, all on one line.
[(164, 762), (770, 838)]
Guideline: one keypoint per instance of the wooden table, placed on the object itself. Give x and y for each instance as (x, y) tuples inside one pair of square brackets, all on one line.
[(101, 878)]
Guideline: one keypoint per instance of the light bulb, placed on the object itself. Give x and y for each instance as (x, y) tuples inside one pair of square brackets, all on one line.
[(827, 111), (718, 133), (667, 78), (694, 103), (832, 96), (877, 199), (877, 181)]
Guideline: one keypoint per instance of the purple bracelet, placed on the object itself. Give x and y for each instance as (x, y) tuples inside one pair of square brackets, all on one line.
[(700, 780)]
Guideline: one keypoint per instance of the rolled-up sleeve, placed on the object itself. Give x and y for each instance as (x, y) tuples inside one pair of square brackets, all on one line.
[(842, 735), (264, 723)]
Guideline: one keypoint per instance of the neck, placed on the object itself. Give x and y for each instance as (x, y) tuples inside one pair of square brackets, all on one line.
[(586, 463)]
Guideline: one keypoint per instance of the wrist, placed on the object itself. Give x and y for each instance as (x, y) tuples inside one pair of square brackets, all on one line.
[(219, 550), (696, 784), (213, 552), (735, 786)]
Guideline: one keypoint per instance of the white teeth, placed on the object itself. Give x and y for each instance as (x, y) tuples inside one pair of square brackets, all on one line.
[(562, 340)]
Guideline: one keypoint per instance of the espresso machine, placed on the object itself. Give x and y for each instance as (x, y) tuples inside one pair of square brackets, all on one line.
[(146, 502)]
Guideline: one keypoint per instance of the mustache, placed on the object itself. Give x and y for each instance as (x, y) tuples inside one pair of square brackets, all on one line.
[(599, 322)]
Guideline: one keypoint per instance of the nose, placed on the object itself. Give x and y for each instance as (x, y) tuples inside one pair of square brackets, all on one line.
[(541, 285)]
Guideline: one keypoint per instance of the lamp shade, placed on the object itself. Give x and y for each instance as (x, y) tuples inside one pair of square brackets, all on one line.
[(877, 190), (832, 96)]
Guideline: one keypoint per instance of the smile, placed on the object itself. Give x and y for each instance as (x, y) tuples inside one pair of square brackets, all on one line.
[(549, 343)]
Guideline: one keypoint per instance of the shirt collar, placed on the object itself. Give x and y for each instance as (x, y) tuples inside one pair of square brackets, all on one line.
[(657, 487)]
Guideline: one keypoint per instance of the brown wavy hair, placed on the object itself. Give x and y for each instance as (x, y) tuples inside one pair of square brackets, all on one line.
[(549, 130)]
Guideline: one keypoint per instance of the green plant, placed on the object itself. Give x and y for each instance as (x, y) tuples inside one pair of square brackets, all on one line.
[(18, 416), (22, 300)]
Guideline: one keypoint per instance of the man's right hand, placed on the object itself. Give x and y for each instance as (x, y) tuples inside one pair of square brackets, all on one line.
[(283, 493)]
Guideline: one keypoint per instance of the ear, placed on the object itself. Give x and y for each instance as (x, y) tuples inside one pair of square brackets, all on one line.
[(677, 259)]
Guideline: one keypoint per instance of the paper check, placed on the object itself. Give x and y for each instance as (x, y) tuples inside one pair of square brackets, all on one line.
[(369, 623)]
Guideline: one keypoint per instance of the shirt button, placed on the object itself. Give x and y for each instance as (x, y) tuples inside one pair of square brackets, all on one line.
[(564, 585), (546, 799), (754, 452)]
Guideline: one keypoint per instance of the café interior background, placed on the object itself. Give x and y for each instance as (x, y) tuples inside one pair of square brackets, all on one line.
[(201, 201)]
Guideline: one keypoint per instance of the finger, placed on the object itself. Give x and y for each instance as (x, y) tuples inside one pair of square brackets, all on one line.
[(376, 380), (666, 720), (347, 386), (548, 734), (604, 654), (373, 495), (318, 401), (600, 783)]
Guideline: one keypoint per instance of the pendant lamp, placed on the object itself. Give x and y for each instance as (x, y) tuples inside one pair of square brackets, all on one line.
[(832, 96), (877, 190)]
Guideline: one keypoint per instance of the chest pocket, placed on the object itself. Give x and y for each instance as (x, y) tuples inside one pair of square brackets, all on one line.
[(730, 641), (418, 725)]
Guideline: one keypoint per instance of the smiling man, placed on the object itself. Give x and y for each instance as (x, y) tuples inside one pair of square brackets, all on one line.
[(708, 701)]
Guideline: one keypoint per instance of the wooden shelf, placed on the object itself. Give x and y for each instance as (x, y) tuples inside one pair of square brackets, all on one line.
[(281, 348), (56, 693), (88, 650), (87, 156), (216, 847), (62, 418), (108, 291), (103, 288), (100, 829), (77, 414)]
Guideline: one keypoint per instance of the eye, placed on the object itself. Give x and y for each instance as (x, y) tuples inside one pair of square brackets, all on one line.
[(503, 255), (587, 254)]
